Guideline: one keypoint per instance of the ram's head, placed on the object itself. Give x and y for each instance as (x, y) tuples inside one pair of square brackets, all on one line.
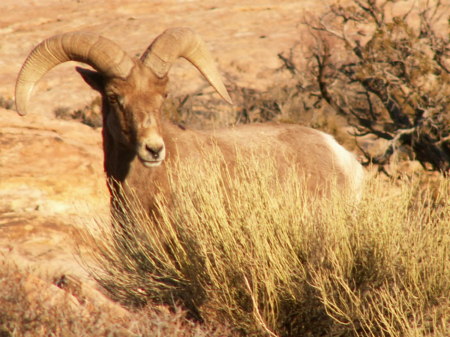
[(133, 90)]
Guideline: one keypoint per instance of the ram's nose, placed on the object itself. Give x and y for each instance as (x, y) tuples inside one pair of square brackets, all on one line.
[(152, 152)]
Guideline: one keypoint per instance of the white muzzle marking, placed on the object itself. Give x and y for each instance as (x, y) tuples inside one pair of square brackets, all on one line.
[(151, 151)]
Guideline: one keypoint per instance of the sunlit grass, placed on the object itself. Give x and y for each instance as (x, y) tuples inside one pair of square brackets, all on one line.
[(267, 258)]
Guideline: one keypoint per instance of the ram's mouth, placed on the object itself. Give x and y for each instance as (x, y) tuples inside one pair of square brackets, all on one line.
[(151, 163)]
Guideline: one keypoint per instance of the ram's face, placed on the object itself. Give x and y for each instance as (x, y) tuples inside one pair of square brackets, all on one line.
[(135, 114)]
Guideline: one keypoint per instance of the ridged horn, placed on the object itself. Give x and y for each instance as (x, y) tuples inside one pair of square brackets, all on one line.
[(100, 53), (183, 42)]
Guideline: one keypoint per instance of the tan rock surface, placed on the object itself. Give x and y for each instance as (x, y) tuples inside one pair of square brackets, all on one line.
[(51, 181)]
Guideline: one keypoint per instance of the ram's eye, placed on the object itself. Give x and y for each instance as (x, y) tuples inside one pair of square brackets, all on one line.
[(115, 99)]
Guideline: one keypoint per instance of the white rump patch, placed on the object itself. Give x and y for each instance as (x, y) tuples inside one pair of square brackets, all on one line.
[(347, 162)]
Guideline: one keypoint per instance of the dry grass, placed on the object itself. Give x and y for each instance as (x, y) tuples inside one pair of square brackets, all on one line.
[(261, 256)]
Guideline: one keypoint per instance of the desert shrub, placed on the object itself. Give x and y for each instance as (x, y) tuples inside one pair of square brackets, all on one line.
[(263, 256), (7, 103), (90, 114), (387, 74)]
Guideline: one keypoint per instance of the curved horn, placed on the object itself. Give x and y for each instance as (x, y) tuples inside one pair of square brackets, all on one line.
[(100, 53), (183, 42)]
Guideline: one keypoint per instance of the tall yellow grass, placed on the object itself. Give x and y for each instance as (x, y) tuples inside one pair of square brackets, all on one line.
[(267, 258)]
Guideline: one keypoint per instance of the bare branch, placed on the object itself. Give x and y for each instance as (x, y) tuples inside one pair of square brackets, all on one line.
[(405, 16), (443, 140), (379, 87), (402, 137), (322, 61), (372, 10), (367, 124), (288, 63)]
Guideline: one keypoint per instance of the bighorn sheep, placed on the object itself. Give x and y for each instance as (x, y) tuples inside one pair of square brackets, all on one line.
[(138, 143)]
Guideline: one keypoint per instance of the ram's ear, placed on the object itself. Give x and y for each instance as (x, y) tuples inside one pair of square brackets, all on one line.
[(93, 78)]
